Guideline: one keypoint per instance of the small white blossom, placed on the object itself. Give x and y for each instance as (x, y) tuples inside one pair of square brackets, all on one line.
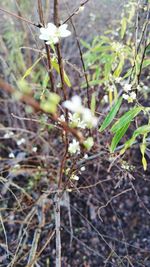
[(133, 95), (127, 87), (11, 155), (74, 177), (89, 118), (74, 147), (51, 34), (117, 47), (76, 121), (34, 149), (130, 97), (21, 141), (105, 98), (86, 156), (62, 118), (118, 79), (17, 166), (69, 190), (125, 96), (82, 168), (75, 105), (88, 143), (8, 135), (111, 88)]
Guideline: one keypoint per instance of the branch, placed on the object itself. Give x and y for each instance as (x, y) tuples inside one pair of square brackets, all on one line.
[(19, 17), (75, 11), (36, 106)]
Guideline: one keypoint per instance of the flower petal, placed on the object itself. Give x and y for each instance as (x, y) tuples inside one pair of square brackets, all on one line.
[(51, 28)]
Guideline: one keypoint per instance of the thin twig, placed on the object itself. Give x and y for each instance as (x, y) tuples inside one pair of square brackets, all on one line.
[(49, 64), (82, 62), (19, 17), (36, 106), (64, 89), (57, 229), (75, 11)]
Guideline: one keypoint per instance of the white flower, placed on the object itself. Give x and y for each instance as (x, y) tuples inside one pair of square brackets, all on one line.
[(76, 121), (21, 141), (75, 105), (74, 147), (105, 98), (34, 149), (69, 190), (11, 155), (127, 87), (118, 79), (86, 156), (133, 95), (62, 118), (74, 177), (51, 34), (8, 135), (88, 143), (82, 168), (125, 96), (117, 47), (129, 97), (89, 118), (111, 88), (17, 166)]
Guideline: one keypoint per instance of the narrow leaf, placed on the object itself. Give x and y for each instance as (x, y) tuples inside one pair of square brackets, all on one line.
[(119, 134), (126, 118), (56, 67), (111, 115), (29, 70), (93, 103)]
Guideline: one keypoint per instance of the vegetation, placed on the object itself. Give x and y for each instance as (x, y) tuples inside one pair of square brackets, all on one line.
[(58, 115)]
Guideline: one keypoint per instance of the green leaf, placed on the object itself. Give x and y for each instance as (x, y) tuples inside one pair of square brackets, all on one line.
[(111, 115), (119, 134), (93, 103), (85, 44), (29, 70), (146, 63), (125, 119), (119, 68), (50, 104), (143, 130), (123, 27), (143, 149), (56, 67)]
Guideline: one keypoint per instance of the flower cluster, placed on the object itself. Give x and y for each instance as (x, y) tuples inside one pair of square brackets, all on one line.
[(117, 47), (129, 95), (74, 120), (74, 147), (8, 135), (51, 34), (82, 114)]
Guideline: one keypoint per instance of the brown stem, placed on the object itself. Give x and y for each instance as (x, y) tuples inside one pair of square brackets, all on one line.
[(36, 106), (64, 89), (49, 64), (19, 17)]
